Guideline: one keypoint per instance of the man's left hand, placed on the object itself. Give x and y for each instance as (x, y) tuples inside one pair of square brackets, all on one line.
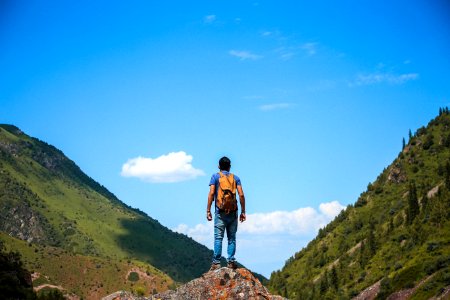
[(242, 217)]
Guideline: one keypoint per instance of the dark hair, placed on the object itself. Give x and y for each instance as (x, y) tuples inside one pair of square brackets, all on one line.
[(224, 163)]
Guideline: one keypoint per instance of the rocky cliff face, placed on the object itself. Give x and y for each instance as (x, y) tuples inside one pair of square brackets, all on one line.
[(223, 284), (19, 216)]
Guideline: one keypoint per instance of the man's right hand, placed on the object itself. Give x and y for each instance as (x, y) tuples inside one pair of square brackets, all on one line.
[(208, 216)]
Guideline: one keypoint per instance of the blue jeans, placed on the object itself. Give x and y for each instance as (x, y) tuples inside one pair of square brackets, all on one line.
[(229, 223)]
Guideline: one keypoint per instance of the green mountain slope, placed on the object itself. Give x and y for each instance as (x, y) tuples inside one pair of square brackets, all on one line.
[(396, 237), (87, 277), (47, 200)]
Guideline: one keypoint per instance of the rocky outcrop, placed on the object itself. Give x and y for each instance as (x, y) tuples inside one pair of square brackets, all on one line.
[(121, 295), (23, 223), (397, 174), (18, 217), (224, 283)]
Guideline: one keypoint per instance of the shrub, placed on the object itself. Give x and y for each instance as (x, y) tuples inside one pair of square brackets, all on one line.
[(50, 294), (133, 276), (407, 277), (139, 291)]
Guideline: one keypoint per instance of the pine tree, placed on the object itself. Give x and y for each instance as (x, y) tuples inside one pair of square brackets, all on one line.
[(438, 206), (410, 135), (371, 243), (362, 254), (447, 175), (413, 204), (285, 292), (334, 280), (324, 285), (403, 144)]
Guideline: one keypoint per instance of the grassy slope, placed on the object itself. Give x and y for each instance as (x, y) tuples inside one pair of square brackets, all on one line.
[(100, 276), (82, 217), (373, 239)]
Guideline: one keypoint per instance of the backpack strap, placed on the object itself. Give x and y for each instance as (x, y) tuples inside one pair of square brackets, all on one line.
[(227, 177)]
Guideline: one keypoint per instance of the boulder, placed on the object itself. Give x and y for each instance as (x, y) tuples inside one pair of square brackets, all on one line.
[(224, 283)]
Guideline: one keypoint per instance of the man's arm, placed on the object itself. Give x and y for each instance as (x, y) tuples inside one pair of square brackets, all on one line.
[(242, 216), (212, 189)]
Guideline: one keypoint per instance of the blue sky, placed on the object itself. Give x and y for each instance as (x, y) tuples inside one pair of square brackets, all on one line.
[(309, 99)]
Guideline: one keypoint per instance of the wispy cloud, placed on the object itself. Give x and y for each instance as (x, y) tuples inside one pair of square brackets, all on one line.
[(275, 106), (310, 48), (209, 19), (244, 55), (286, 53), (172, 167), (376, 78), (270, 237), (273, 34)]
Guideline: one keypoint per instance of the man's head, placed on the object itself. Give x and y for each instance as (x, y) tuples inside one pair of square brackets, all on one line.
[(224, 164)]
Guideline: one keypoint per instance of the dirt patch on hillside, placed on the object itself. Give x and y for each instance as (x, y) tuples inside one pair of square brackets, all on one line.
[(354, 248), (369, 293), (406, 293), (42, 286)]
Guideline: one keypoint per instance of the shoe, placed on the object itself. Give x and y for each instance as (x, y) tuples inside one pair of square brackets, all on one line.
[(214, 267), (232, 265)]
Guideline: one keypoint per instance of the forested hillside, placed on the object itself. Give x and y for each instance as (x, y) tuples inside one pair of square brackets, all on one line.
[(394, 239)]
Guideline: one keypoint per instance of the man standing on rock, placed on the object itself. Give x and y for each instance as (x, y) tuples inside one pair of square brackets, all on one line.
[(222, 190)]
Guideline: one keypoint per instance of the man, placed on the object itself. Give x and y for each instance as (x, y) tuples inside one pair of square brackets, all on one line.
[(224, 220)]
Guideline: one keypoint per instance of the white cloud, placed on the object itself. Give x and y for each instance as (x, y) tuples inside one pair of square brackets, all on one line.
[(244, 55), (331, 209), (173, 167), (300, 222), (200, 232), (297, 222), (275, 106), (375, 78), (209, 19)]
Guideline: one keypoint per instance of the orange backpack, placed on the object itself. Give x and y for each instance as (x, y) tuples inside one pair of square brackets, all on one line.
[(226, 195)]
